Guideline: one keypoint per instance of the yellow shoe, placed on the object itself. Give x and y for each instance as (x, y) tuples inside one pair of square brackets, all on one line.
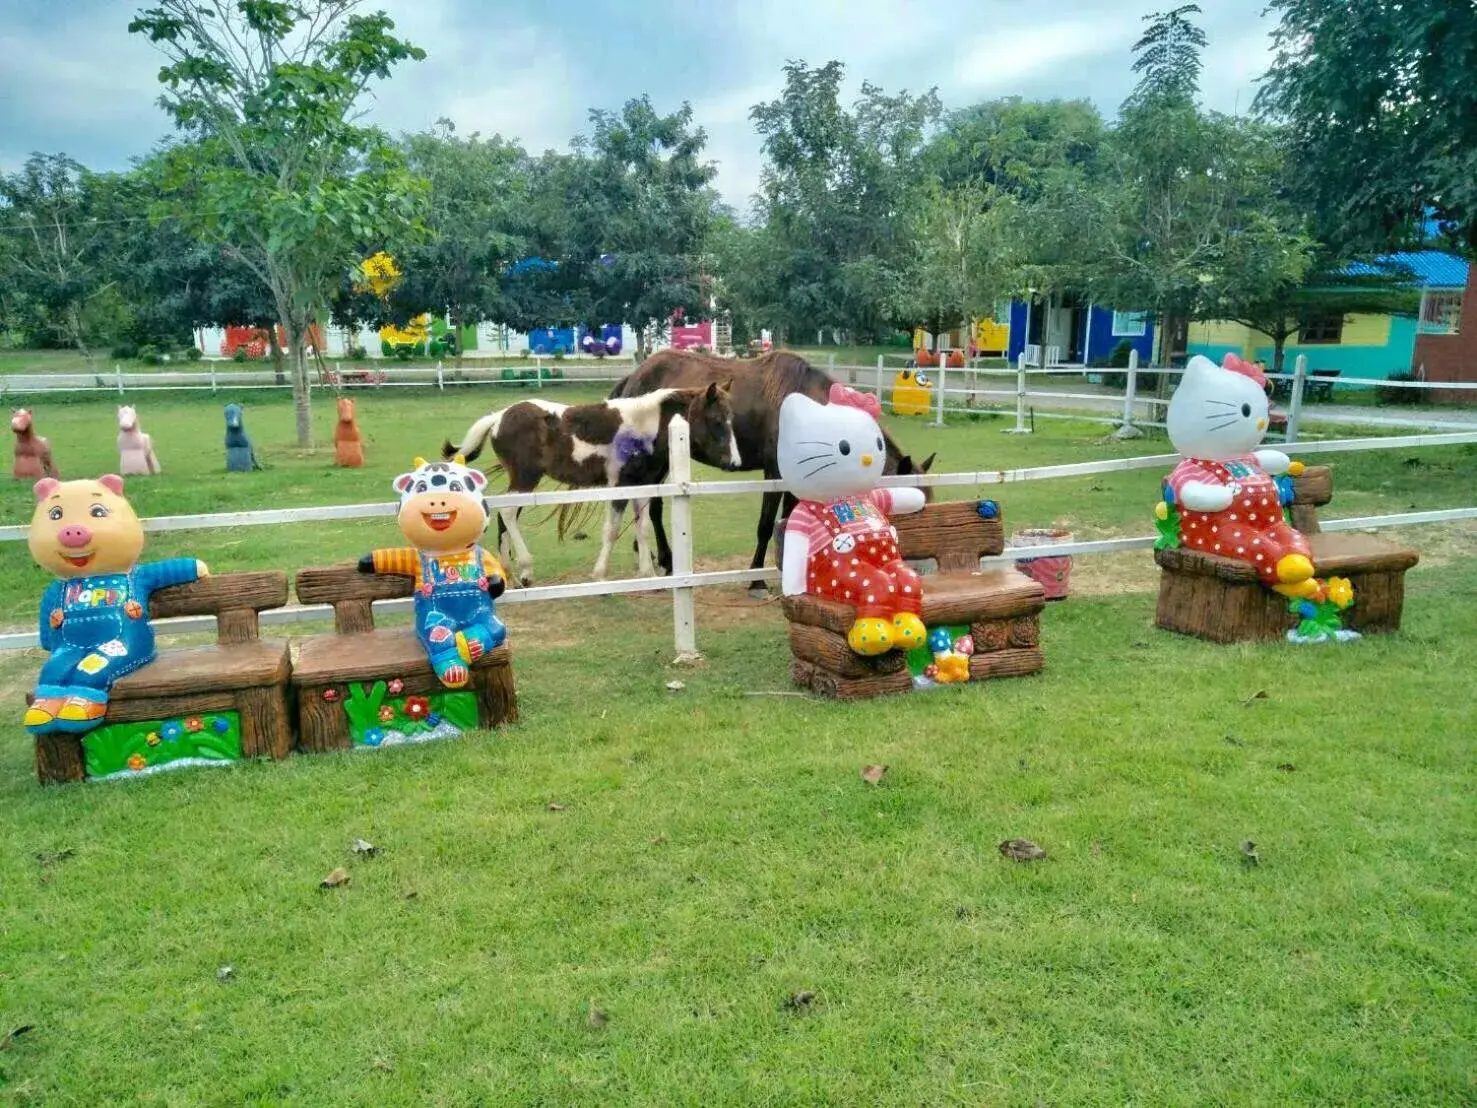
[(870, 636), (1305, 590), (77, 709), (1293, 569), (41, 713), (908, 631)]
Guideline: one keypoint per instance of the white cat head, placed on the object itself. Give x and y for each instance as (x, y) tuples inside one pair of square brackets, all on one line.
[(1218, 413), (830, 450)]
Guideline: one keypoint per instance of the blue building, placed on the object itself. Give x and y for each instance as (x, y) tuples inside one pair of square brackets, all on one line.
[(1059, 330)]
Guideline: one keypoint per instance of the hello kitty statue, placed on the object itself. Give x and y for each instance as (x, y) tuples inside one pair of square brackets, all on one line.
[(838, 541), (1223, 491)]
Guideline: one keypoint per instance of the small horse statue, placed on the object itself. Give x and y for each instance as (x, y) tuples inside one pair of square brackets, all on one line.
[(32, 452), (240, 453), (135, 449), (348, 446)]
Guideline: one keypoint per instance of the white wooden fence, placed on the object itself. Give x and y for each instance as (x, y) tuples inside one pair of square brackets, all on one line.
[(680, 488)]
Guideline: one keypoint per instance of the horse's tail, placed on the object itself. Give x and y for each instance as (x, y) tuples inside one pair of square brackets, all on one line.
[(576, 517), (477, 435)]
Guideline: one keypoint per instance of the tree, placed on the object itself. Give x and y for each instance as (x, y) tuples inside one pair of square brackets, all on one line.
[(58, 232), (1382, 106), (1167, 56), (276, 172), (964, 260), (629, 214), (837, 200)]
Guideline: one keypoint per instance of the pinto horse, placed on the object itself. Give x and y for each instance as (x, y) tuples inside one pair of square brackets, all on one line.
[(759, 387), (607, 443)]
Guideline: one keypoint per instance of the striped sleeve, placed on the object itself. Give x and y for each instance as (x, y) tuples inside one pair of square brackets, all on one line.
[(805, 524), (491, 566), (404, 561), (882, 498)]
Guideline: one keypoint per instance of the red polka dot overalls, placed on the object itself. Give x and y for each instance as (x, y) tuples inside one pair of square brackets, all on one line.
[(1252, 529), (857, 561)]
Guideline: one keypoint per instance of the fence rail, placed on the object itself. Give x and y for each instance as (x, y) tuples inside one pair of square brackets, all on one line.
[(681, 490)]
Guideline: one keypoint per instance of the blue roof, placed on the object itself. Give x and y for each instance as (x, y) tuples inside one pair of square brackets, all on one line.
[(1432, 268)]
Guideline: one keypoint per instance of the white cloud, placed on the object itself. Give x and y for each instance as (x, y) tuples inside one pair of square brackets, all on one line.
[(1001, 59)]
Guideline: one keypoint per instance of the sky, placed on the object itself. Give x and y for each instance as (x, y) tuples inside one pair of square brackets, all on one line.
[(75, 81)]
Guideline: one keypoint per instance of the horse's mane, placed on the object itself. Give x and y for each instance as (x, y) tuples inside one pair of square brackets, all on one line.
[(785, 372)]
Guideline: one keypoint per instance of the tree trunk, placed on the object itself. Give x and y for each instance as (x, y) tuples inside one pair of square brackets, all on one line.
[(74, 324), (1279, 352), (277, 349), (302, 397)]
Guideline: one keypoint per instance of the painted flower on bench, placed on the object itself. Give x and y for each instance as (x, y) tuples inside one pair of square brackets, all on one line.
[(1320, 616), (172, 731), (417, 707)]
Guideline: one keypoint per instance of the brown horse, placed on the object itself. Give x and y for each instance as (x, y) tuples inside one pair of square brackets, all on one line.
[(759, 386), (348, 444), (32, 452)]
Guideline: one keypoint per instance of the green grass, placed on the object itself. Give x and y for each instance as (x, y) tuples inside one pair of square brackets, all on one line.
[(716, 852)]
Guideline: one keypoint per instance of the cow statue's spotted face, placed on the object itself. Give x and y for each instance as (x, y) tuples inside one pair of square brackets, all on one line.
[(441, 506)]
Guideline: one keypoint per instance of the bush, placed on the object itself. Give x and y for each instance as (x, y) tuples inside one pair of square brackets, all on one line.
[(192, 354), (558, 353), (357, 353), (149, 355), (241, 355), (124, 352), (1389, 395), (1121, 354)]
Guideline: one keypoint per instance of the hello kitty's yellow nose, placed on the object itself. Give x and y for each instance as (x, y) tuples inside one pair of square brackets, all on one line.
[(866, 459), (1261, 425)]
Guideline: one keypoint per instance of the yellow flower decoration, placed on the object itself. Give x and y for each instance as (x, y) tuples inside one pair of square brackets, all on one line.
[(152, 738), (415, 332), (1161, 510), (1296, 468), (952, 668), (380, 273), (1340, 591)]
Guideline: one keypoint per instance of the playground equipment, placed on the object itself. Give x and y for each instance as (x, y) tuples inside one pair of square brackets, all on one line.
[(912, 393)]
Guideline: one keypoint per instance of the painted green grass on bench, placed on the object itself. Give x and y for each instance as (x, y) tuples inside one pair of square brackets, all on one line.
[(717, 854), (398, 424)]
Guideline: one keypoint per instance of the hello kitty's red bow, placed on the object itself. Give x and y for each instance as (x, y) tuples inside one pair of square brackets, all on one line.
[(1246, 369), (850, 398)]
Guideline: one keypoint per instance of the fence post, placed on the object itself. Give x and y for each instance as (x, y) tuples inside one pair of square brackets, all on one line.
[(212, 377), (679, 471), (538, 372), (1295, 406), (118, 369), (831, 365), (938, 419), (880, 368), (440, 379), (1130, 392), (1020, 427)]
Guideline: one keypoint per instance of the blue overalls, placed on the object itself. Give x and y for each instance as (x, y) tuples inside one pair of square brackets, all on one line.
[(104, 633), (453, 614)]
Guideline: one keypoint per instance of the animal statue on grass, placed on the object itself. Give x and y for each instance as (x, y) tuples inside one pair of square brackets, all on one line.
[(348, 446), (240, 453), (758, 389), (602, 445), (838, 542), (442, 516), (1223, 490), (32, 452), (136, 456), (95, 615)]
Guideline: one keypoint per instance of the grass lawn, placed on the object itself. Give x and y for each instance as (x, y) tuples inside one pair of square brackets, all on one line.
[(717, 909)]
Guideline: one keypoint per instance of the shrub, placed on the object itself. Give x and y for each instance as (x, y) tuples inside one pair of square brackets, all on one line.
[(357, 353), (241, 355), (124, 351), (192, 354), (1388, 395), (1121, 354), (149, 355), (558, 353)]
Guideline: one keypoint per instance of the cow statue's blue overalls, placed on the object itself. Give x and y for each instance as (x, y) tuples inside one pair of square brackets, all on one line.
[(456, 580)]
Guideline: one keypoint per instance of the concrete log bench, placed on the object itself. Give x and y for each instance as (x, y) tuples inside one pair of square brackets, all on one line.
[(194, 705), (365, 686), (1222, 600), (999, 609)]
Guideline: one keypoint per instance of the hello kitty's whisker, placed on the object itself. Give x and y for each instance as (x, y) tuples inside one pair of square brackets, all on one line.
[(813, 442), (1227, 423), (1222, 403), (812, 458), (817, 469)]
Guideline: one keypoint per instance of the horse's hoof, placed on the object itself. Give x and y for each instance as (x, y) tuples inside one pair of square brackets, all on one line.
[(580, 536), (758, 592), (524, 581)]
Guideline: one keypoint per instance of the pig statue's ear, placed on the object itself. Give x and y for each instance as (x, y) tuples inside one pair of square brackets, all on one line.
[(112, 482), (45, 487)]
